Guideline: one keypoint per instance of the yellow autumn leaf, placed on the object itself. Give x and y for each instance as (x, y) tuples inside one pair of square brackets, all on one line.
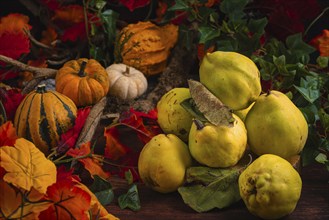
[(13, 207), (27, 166)]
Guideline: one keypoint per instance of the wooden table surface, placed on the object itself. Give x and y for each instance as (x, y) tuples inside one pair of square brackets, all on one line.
[(313, 204)]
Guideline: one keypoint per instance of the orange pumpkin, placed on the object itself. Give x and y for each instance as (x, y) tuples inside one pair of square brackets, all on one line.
[(146, 46), (85, 81)]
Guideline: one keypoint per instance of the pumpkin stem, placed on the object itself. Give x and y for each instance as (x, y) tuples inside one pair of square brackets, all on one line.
[(41, 88), (127, 70), (81, 72)]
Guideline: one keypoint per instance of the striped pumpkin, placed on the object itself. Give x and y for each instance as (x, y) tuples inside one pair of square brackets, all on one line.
[(43, 116)]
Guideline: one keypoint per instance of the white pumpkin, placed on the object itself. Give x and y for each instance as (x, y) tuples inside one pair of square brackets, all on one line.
[(126, 82)]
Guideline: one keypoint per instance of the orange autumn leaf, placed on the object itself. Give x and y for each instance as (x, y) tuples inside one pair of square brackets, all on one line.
[(49, 36), (91, 164), (14, 23), (96, 208), (69, 202), (26, 76), (71, 14), (27, 166), (321, 43), (11, 203), (7, 134)]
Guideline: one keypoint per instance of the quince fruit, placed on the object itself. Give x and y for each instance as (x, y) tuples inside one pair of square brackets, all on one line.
[(270, 187), (218, 146), (172, 117), (162, 163), (231, 77), (276, 126)]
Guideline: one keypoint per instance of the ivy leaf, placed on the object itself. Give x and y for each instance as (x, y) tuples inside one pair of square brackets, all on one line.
[(208, 33), (210, 188), (102, 190), (233, 8), (324, 118), (130, 199), (179, 5), (322, 61), (257, 25), (298, 47), (209, 105), (309, 88)]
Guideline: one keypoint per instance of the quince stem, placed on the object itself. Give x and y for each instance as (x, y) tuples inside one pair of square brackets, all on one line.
[(198, 123)]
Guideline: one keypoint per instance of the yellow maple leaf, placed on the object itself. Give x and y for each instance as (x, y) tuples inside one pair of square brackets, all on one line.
[(27, 166), (12, 205)]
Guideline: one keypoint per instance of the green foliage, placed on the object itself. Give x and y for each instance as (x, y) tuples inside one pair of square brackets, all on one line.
[(102, 190)]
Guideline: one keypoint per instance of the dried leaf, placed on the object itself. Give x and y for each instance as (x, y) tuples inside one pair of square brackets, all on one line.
[(27, 166), (7, 134), (114, 150), (209, 105)]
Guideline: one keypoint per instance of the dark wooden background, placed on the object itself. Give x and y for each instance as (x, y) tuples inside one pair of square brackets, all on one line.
[(313, 204)]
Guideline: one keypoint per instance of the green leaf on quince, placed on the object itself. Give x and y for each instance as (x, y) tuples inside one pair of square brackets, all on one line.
[(207, 188)]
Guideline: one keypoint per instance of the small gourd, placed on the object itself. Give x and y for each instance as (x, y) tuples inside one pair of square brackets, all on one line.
[(85, 81), (43, 116), (126, 82), (146, 46)]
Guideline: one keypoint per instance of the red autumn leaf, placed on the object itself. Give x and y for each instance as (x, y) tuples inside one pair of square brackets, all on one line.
[(292, 13), (83, 154), (121, 156), (77, 31), (133, 4), (321, 43), (145, 124), (21, 45), (11, 98), (71, 19), (51, 4), (114, 150), (7, 134), (69, 138)]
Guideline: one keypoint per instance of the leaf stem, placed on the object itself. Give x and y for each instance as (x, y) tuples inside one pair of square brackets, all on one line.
[(315, 20)]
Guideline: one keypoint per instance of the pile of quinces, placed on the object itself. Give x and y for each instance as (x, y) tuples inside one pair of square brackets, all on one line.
[(268, 124)]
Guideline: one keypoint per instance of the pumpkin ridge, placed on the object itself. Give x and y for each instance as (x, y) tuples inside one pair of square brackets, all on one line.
[(68, 109), (44, 125), (27, 129), (18, 118)]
